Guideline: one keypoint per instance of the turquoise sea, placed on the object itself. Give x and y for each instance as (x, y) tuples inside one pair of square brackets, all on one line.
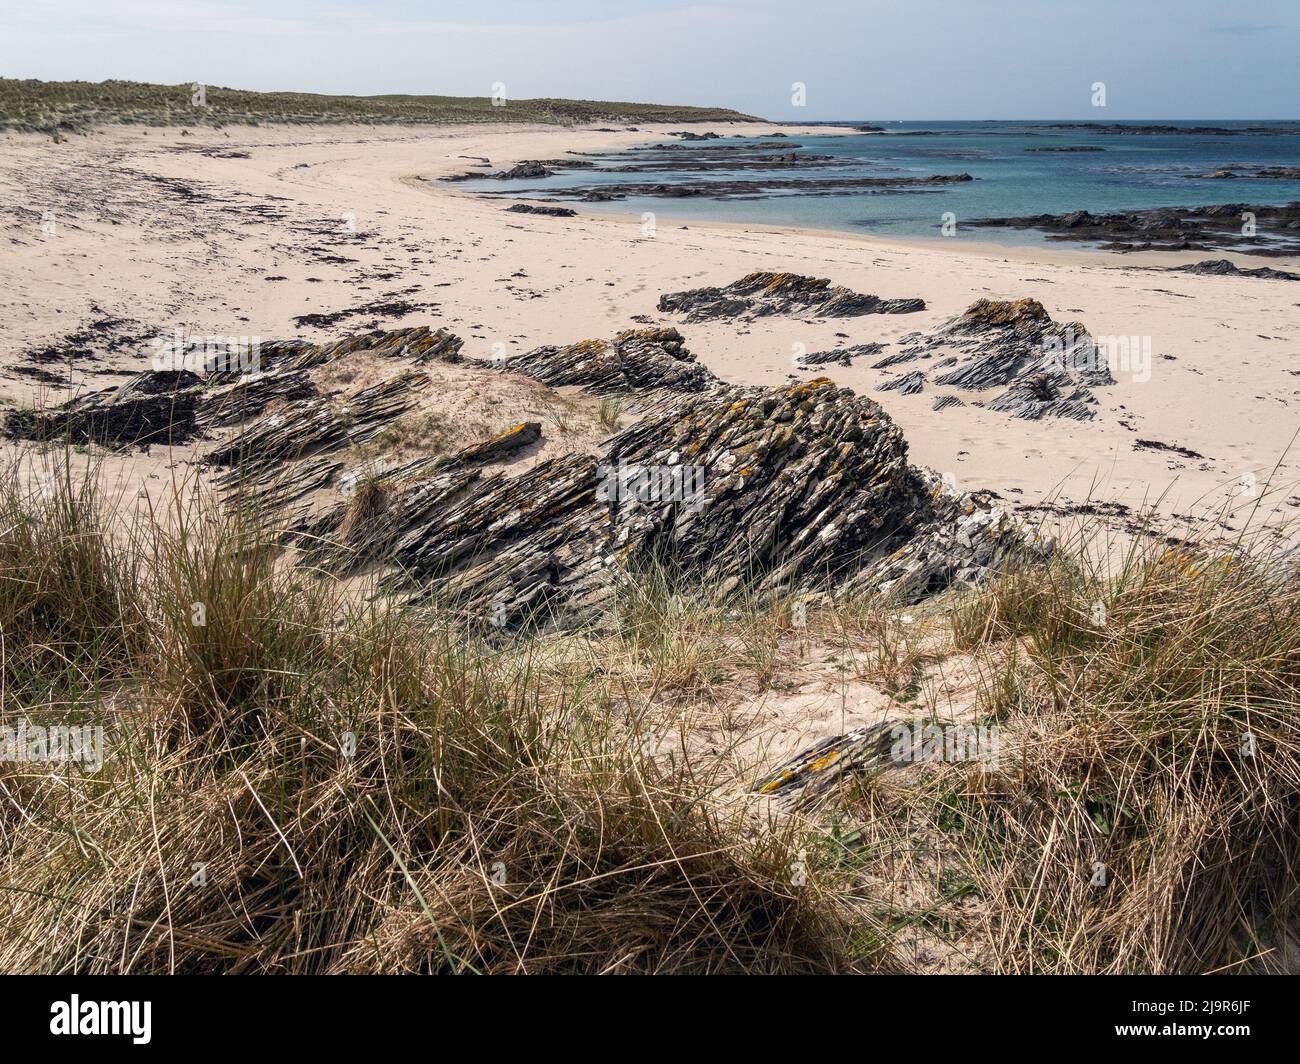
[(1132, 171)]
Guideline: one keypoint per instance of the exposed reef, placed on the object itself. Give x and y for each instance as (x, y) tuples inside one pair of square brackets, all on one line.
[(757, 188), (1250, 229)]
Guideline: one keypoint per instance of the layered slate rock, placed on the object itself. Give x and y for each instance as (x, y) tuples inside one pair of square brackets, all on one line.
[(636, 360), (1275, 232), (774, 183), (759, 294), (772, 489), (843, 356), (151, 407), (321, 424), (810, 775), (961, 537), (1227, 268), (806, 486), (907, 384), (176, 406), (1047, 368), (419, 344), (533, 208), (159, 406)]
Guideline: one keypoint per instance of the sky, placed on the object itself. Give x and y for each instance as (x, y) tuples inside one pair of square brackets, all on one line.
[(857, 59)]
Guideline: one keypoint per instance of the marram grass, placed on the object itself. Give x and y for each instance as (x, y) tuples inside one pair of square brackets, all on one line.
[(299, 779)]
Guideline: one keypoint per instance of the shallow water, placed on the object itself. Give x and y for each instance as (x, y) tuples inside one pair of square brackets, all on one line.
[(1133, 171)]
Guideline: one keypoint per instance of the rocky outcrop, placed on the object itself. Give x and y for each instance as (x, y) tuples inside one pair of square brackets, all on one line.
[(907, 384), (771, 489), (1048, 369), (678, 159), (1227, 268), (418, 345), (806, 486), (533, 208), (1164, 129), (810, 775), (151, 407), (178, 405), (843, 356), (1276, 229), (528, 168), (759, 294), (759, 187), (1257, 173), (320, 425), (650, 360)]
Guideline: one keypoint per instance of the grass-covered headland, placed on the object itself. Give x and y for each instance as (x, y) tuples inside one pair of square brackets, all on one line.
[(32, 106)]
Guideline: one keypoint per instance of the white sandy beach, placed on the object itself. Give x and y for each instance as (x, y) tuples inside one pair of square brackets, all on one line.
[(89, 233)]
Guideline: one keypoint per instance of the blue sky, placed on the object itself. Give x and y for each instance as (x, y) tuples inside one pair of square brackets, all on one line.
[(906, 59)]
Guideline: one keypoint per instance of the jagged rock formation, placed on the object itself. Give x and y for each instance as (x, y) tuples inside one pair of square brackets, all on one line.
[(1133, 129), (761, 186), (844, 356), (321, 424), (804, 486), (528, 168), (677, 159), (636, 360), (1227, 268), (533, 208), (800, 781), (1276, 229), (151, 407), (757, 187), (177, 405), (1259, 173), (759, 294), (801, 487), (907, 384), (1048, 369)]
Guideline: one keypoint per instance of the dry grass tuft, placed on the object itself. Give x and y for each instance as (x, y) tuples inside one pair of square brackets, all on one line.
[(297, 783)]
